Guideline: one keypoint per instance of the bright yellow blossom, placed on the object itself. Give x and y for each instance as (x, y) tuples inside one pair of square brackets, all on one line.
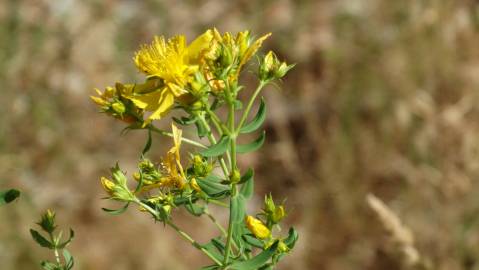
[(257, 227), (175, 64)]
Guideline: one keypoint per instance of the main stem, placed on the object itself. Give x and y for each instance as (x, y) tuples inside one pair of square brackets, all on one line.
[(231, 123), (212, 140)]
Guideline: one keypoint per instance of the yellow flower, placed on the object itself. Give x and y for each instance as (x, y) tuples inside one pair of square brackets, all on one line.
[(173, 174), (175, 64), (257, 228)]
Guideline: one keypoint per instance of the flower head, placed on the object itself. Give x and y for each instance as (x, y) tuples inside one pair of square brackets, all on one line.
[(174, 64)]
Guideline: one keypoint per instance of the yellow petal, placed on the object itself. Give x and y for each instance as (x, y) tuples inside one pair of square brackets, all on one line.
[(148, 101), (199, 46), (98, 101), (165, 103)]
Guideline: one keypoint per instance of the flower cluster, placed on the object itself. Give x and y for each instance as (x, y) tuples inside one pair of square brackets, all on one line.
[(198, 79)]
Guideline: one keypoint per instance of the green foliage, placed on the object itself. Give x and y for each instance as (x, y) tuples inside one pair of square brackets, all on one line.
[(53, 242), (8, 196), (248, 243)]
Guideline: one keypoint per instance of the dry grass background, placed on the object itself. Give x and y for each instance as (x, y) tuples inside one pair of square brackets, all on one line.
[(384, 100)]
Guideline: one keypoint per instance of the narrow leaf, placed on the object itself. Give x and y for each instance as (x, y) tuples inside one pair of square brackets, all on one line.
[(8, 196), (248, 185), (68, 259), (257, 120), (64, 244), (257, 261), (211, 186), (253, 146), (148, 143), (218, 149), (250, 239), (40, 239), (195, 209), (116, 211)]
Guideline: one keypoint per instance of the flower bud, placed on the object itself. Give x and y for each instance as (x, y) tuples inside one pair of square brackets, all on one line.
[(108, 185), (47, 221), (257, 227), (273, 213), (235, 176), (271, 68), (282, 247), (118, 107)]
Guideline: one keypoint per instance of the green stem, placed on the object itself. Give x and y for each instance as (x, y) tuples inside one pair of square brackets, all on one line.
[(222, 204), (218, 225), (231, 123), (220, 127), (250, 104), (180, 232), (229, 237), (193, 242), (212, 140), (55, 250), (169, 134)]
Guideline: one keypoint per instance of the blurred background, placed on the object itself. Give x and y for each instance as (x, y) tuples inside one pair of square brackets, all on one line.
[(383, 101)]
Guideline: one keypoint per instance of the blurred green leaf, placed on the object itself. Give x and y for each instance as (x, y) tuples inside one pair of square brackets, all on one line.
[(218, 149), (68, 259), (116, 211), (257, 120), (253, 146), (41, 240), (212, 186), (8, 196), (257, 261), (247, 188)]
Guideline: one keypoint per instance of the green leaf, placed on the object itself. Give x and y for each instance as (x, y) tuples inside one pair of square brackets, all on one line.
[(237, 105), (46, 265), (41, 240), (218, 149), (290, 241), (68, 259), (220, 246), (8, 196), (253, 146), (211, 248), (195, 209), (211, 186), (64, 244), (237, 208), (250, 239), (257, 120), (257, 261), (148, 143), (185, 121), (211, 267), (248, 184), (116, 211)]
